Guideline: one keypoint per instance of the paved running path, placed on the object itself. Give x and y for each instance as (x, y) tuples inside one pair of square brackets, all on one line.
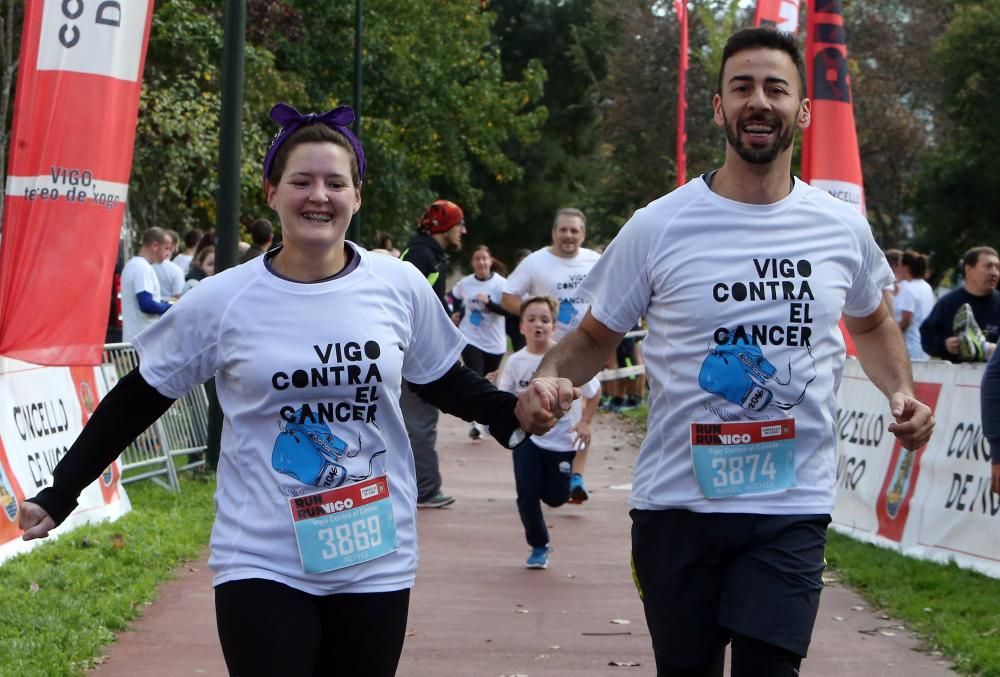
[(476, 611)]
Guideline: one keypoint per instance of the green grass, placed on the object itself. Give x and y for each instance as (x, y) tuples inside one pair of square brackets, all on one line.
[(955, 611), (63, 602)]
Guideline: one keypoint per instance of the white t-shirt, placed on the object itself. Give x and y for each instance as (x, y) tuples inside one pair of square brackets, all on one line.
[(896, 291), (703, 270), (544, 273), (483, 328), (171, 278), (182, 261), (293, 360), (137, 276), (917, 297), (515, 376)]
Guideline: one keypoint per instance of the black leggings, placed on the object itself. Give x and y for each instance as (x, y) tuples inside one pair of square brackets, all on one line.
[(480, 361), (269, 629)]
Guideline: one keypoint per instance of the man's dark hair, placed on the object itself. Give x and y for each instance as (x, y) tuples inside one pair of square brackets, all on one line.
[(971, 257), (765, 38), (261, 232), (191, 238)]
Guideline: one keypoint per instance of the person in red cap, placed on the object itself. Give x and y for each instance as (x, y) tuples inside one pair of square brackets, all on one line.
[(439, 229)]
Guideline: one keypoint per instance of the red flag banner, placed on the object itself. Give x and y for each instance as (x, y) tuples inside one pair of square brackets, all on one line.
[(830, 157), (782, 15), (680, 6), (73, 132)]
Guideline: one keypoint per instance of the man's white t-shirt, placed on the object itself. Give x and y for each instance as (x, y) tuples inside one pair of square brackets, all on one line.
[(706, 271), (515, 376), (171, 278), (483, 328), (137, 276), (542, 273), (295, 362), (916, 297), (182, 261)]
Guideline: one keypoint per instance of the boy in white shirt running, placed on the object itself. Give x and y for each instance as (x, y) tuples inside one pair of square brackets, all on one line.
[(543, 465)]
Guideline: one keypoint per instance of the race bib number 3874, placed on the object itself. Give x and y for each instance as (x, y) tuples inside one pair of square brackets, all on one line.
[(731, 459), (342, 527)]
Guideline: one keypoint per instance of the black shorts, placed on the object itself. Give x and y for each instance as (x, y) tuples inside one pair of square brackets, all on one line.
[(704, 576)]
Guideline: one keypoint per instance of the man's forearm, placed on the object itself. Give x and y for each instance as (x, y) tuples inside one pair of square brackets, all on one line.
[(883, 356), (578, 356), (511, 303)]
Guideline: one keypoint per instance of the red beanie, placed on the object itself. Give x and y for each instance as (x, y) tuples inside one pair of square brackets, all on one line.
[(441, 216)]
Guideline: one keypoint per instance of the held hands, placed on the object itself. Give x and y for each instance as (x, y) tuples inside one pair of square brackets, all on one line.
[(543, 402), (914, 421), (35, 522)]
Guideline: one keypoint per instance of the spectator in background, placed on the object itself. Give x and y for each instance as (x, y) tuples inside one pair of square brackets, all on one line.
[(384, 245), (914, 301), (440, 228), (203, 266), (169, 274), (261, 235), (142, 301), (894, 257), (990, 412), (191, 240), (964, 324)]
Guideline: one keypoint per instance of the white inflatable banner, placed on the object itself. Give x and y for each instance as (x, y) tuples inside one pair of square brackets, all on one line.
[(934, 502), (42, 410)]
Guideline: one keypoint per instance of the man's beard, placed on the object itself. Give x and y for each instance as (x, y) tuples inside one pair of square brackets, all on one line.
[(759, 156)]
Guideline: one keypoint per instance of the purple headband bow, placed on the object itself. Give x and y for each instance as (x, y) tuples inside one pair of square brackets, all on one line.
[(290, 120)]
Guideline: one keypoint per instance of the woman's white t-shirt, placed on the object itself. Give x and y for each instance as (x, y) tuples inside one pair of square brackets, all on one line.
[(298, 359), (708, 273), (516, 374), (482, 327), (916, 297)]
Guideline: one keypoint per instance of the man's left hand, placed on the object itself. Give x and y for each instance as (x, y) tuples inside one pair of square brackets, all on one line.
[(914, 421)]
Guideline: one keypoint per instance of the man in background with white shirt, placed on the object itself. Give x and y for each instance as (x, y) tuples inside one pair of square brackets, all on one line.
[(142, 300)]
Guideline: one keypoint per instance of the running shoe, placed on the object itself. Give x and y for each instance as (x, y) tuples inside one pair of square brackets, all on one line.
[(971, 341), (577, 490), (474, 432), (539, 558), (438, 500)]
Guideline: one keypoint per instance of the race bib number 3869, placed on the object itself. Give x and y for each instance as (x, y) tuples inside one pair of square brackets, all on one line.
[(731, 459), (342, 527)]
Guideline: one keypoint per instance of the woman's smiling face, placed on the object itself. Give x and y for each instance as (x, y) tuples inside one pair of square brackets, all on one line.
[(315, 197)]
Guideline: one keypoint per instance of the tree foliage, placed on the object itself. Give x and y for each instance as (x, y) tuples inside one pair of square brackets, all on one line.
[(514, 108), (955, 206)]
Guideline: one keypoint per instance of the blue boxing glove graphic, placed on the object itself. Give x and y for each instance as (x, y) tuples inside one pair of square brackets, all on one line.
[(723, 373), (475, 318), (567, 311), (751, 358), (309, 452)]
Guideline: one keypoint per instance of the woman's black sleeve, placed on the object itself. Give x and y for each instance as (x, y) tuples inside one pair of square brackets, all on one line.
[(464, 393), (132, 406), (494, 307)]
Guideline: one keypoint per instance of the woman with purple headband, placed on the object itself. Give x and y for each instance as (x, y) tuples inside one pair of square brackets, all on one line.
[(314, 543)]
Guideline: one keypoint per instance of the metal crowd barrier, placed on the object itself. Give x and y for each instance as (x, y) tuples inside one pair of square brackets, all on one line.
[(181, 431)]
